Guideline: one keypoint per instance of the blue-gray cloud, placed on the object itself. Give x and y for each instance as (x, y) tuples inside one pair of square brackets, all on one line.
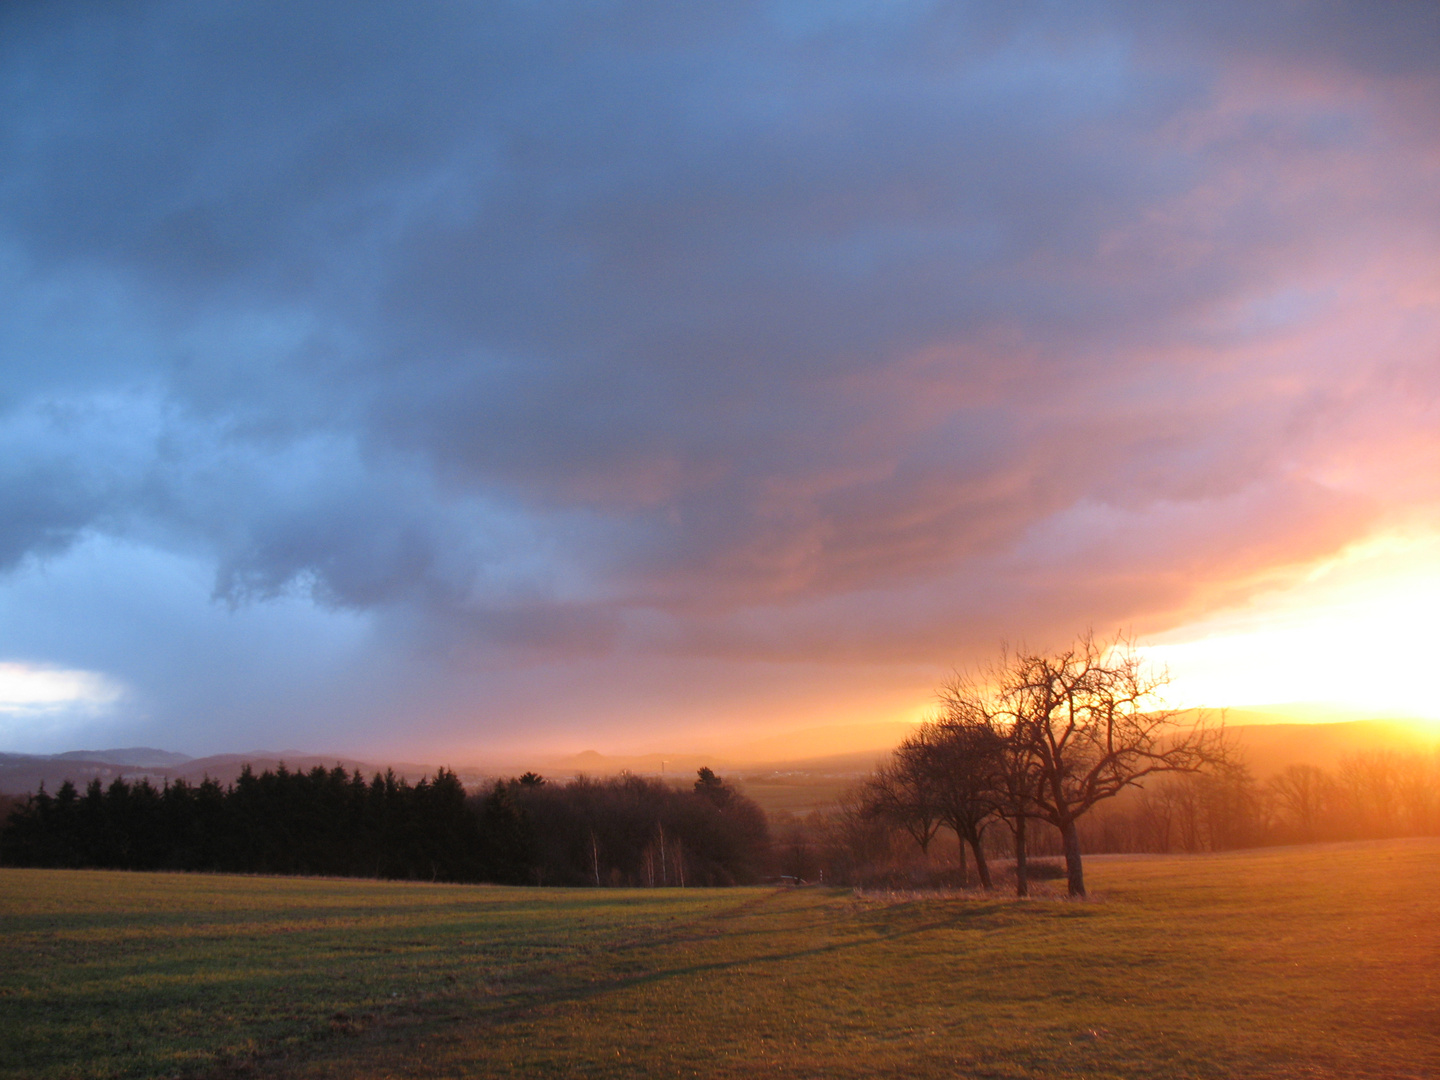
[(585, 331)]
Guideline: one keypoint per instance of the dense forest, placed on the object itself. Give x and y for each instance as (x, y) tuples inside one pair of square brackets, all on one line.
[(626, 830)]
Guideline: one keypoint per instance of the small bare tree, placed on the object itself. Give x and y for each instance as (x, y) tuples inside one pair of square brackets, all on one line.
[(900, 792), (962, 756), (1008, 766), (943, 774)]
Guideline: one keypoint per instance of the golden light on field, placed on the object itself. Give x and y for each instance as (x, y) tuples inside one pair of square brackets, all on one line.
[(1359, 634)]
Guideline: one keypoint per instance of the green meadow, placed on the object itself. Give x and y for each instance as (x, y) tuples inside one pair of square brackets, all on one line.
[(1302, 962)]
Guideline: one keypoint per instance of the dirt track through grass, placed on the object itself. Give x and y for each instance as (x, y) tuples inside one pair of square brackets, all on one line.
[(1296, 963)]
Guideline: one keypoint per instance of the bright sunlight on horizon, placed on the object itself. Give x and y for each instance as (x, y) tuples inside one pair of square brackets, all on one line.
[(1356, 635)]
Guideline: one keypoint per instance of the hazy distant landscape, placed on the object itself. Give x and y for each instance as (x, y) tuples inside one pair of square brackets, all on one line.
[(786, 786), (807, 776)]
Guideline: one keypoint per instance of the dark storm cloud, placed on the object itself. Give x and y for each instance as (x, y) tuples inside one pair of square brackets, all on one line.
[(548, 328)]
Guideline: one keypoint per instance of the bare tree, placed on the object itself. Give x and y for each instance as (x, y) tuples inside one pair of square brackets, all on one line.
[(961, 752), (1304, 794), (946, 773), (1039, 736), (1093, 724), (1071, 729), (1156, 818), (900, 792), (1003, 757), (1370, 787)]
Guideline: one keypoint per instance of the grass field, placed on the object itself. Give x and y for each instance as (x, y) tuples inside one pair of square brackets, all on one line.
[(1308, 962)]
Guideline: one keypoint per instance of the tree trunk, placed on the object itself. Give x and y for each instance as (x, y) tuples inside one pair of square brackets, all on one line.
[(964, 873), (1022, 873), (1074, 872), (981, 866)]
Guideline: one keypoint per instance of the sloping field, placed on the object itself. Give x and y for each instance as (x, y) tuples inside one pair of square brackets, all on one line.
[(1305, 962)]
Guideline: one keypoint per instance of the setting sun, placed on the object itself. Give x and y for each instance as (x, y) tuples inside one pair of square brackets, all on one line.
[(1359, 634)]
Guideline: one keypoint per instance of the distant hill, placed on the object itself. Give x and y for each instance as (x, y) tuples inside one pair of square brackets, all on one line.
[(808, 780), (1269, 748), (21, 774), (138, 756), (795, 771), (836, 747)]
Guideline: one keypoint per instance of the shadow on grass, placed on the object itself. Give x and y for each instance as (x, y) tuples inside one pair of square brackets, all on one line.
[(581, 979)]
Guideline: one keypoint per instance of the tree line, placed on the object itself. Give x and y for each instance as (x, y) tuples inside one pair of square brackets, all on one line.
[(625, 830), (1374, 795)]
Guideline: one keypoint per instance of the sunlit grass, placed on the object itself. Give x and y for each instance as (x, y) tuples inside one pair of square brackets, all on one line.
[(1304, 962)]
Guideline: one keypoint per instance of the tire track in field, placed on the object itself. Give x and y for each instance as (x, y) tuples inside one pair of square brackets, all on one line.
[(355, 1045)]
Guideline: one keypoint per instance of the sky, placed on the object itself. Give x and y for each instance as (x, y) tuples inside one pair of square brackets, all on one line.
[(439, 379)]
